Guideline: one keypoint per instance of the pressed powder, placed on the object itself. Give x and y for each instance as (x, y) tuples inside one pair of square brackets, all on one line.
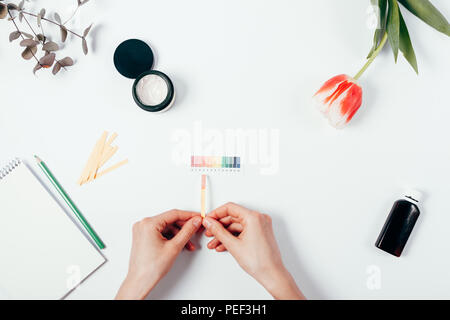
[(152, 90)]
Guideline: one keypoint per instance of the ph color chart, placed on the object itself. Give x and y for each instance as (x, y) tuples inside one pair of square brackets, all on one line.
[(215, 164)]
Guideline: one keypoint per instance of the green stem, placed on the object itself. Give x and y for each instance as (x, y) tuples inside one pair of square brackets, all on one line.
[(372, 57)]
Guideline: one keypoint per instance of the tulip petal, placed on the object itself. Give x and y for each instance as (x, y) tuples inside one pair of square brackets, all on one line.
[(333, 82), (336, 117), (352, 102), (339, 91), (326, 91), (339, 99)]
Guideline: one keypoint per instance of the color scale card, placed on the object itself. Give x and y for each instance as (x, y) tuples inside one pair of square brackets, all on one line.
[(216, 164)]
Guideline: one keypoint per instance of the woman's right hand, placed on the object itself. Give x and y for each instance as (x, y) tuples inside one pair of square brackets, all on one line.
[(249, 237)]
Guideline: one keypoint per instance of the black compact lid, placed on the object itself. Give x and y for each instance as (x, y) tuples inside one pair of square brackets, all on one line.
[(133, 57)]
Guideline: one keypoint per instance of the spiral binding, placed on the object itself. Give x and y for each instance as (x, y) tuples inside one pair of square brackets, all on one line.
[(9, 168)]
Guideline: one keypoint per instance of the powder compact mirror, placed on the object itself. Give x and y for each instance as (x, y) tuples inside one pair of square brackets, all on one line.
[(153, 90)]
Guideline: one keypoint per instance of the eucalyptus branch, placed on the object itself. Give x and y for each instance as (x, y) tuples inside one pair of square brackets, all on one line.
[(73, 15), (43, 42), (31, 28), (79, 4), (21, 35), (44, 39), (31, 42), (55, 23)]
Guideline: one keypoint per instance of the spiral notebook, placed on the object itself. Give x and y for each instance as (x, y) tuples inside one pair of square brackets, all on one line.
[(43, 253)]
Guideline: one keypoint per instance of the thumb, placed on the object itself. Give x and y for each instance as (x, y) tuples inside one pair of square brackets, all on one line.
[(186, 232), (221, 234)]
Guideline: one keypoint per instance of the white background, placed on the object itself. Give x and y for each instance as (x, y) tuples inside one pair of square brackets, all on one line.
[(249, 64)]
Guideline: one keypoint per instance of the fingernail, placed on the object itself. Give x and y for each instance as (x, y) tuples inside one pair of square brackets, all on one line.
[(197, 221), (206, 223)]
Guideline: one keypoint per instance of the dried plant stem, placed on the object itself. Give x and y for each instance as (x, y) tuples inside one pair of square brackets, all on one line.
[(54, 22), (43, 41), (36, 40), (21, 35), (32, 30), (73, 15), (42, 28)]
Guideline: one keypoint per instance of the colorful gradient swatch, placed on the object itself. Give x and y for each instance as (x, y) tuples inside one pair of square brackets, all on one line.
[(214, 163)]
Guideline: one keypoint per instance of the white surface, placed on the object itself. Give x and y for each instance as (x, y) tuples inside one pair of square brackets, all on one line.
[(253, 65), (43, 253)]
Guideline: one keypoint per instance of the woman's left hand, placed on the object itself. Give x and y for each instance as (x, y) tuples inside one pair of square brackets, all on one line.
[(157, 242)]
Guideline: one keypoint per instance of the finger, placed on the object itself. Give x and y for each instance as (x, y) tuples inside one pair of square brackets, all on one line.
[(223, 235), (172, 231), (208, 234), (185, 234), (235, 228), (172, 216), (226, 221), (221, 248), (229, 209), (214, 243), (180, 223), (190, 246)]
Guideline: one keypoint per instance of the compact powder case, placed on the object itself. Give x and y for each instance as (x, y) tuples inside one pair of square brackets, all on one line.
[(153, 91)]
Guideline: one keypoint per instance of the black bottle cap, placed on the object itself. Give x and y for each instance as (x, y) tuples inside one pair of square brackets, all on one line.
[(133, 57)]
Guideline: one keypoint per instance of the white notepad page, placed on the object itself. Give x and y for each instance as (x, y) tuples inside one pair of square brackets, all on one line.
[(43, 254)]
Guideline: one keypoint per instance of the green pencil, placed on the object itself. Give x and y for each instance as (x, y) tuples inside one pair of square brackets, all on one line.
[(69, 202)]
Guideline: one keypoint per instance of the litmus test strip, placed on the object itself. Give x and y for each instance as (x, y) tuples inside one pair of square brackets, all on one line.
[(213, 164), (203, 197)]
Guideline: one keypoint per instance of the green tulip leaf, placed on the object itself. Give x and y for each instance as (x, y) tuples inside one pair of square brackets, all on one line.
[(406, 46), (382, 5), (393, 27), (427, 12)]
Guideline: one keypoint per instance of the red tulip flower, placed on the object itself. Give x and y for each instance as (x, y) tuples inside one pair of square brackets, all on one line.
[(339, 99)]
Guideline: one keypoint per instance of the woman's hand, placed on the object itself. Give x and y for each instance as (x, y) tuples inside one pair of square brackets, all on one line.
[(249, 237), (157, 242)]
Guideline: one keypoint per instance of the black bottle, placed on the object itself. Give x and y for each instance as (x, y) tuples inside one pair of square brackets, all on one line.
[(399, 224)]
